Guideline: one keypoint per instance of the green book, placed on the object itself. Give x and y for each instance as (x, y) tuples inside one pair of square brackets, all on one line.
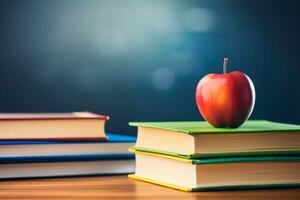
[(217, 173), (201, 140)]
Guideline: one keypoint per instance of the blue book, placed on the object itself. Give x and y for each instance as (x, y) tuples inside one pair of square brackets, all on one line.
[(65, 168), (116, 147), (36, 159)]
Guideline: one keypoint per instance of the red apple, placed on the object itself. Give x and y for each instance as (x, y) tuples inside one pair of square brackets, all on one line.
[(225, 100)]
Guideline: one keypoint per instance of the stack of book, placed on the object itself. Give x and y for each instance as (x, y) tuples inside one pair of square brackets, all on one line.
[(193, 156), (66, 144)]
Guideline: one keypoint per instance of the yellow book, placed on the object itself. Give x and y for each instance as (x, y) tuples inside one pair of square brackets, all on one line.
[(217, 173)]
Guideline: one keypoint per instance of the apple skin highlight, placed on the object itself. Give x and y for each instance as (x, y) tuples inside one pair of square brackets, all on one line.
[(225, 100)]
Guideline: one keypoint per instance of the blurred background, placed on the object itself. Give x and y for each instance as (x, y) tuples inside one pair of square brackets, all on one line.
[(140, 60)]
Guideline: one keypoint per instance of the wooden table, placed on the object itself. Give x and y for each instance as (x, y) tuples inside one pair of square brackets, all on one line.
[(119, 187)]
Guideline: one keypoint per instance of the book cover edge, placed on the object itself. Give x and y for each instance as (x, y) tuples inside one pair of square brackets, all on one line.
[(225, 131), (212, 188), (215, 160)]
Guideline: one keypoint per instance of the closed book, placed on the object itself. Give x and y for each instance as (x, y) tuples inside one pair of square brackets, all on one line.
[(115, 147), (217, 173), (201, 140), (35, 159), (66, 168), (52, 126)]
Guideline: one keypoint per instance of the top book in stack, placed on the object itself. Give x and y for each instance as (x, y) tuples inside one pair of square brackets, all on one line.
[(200, 140), (50, 126)]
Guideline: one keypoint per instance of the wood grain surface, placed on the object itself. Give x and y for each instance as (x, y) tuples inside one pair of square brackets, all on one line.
[(120, 187)]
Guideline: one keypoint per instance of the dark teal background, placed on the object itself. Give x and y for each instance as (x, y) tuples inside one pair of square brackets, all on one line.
[(141, 60)]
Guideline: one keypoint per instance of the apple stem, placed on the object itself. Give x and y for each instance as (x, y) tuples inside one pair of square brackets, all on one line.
[(225, 65)]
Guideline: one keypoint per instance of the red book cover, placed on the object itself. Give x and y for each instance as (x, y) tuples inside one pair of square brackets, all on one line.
[(43, 116)]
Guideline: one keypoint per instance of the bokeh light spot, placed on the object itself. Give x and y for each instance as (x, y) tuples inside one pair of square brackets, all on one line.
[(163, 78)]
